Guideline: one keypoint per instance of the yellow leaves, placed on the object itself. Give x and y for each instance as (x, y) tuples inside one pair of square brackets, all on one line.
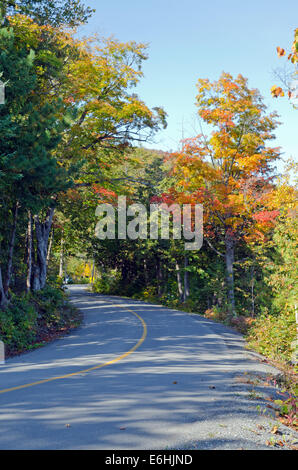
[(24, 28), (294, 56)]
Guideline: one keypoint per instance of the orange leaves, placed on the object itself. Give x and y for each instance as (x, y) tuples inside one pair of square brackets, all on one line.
[(105, 195), (222, 116), (228, 171), (293, 56), (277, 91), (280, 51), (69, 100)]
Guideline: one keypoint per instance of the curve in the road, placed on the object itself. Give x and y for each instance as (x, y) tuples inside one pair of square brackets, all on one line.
[(117, 359)]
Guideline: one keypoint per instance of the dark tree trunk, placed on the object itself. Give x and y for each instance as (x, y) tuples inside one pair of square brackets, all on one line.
[(29, 252), (179, 283), (159, 278), (11, 249), (186, 280), (3, 298), (42, 232), (124, 273)]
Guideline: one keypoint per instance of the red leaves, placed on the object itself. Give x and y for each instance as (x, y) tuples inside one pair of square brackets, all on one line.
[(266, 216), (165, 198), (105, 195)]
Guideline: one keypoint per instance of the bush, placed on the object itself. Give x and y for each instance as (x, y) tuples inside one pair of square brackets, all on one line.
[(81, 280), (215, 313), (274, 336), (18, 324), (30, 320), (107, 283), (49, 303), (148, 294), (58, 282)]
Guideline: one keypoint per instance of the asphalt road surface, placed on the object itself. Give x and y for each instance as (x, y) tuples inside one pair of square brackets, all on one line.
[(138, 376)]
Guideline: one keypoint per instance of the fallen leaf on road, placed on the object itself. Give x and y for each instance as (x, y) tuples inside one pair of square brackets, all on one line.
[(280, 443), (275, 430)]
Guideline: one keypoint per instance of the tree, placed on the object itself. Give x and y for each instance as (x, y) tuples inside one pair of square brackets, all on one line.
[(82, 115), (44, 12), (29, 173), (280, 270), (229, 171), (290, 83)]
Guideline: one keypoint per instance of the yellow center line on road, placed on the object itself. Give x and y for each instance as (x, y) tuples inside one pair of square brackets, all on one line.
[(117, 359)]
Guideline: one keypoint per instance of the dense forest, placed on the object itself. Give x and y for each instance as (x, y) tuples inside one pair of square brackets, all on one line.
[(74, 135)]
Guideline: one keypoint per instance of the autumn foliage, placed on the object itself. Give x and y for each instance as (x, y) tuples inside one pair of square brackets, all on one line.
[(229, 170)]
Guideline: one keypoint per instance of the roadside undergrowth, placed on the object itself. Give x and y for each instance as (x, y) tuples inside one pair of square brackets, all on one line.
[(33, 320)]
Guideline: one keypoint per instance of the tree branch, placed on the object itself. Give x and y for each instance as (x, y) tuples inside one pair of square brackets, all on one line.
[(214, 249)]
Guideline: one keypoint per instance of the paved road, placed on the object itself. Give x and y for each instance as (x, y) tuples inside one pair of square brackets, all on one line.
[(135, 376)]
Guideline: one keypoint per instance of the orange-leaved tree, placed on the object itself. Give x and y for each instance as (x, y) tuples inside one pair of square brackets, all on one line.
[(229, 170)]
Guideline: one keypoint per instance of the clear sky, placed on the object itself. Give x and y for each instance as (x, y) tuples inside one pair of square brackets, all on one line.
[(191, 39)]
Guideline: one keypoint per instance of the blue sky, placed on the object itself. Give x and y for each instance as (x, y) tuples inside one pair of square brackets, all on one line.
[(191, 39)]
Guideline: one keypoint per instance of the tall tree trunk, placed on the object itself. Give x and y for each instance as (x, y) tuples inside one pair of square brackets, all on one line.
[(146, 272), (50, 247), (186, 280), (29, 251), (42, 232), (159, 278), (124, 273), (11, 249), (229, 257), (253, 290), (61, 262), (93, 271), (179, 282), (3, 298)]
